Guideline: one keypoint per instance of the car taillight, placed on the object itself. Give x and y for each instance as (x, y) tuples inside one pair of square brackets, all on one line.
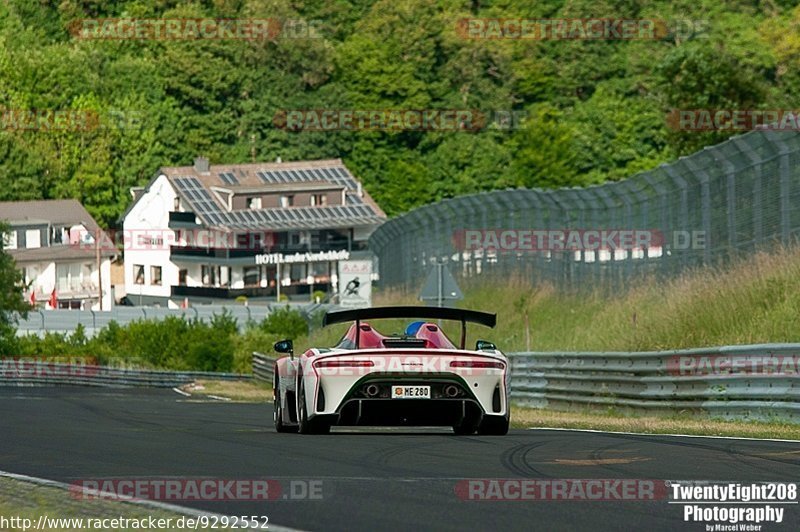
[(476, 364), (344, 363)]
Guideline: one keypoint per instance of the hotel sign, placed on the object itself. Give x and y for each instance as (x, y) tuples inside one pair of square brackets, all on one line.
[(319, 256)]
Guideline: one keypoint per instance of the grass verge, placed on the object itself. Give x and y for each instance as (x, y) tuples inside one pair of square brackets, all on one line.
[(29, 501), (238, 391), (614, 422), (756, 300)]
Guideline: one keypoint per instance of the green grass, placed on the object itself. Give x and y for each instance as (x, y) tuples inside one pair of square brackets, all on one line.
[(754, 301), (27, 501), (653, 424)]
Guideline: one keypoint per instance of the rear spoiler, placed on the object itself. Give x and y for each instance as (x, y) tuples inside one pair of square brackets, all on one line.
[(435, 313)]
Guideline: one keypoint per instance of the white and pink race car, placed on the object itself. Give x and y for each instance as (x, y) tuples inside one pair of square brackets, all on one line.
[(415, 378)]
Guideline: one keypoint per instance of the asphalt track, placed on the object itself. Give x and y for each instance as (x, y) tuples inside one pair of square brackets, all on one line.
[(380, 480)]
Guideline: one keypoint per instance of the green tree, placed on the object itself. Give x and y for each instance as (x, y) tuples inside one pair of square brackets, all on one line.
[(12, 302)]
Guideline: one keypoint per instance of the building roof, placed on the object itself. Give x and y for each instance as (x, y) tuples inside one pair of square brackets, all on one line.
[(194, 187), (57, 213)]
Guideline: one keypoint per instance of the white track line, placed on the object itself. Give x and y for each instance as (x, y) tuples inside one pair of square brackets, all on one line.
[(121, 498), (669, 435), (219, 398), (178, 390)]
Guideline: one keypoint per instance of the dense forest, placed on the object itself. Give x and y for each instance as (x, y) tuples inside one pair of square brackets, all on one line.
[(595, 109)]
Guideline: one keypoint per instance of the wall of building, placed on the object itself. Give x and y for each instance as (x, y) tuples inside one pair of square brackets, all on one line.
[(149, 219)]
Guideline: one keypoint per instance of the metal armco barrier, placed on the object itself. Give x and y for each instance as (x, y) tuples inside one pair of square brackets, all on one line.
[(263, 367), (739, 382), (20, 372)]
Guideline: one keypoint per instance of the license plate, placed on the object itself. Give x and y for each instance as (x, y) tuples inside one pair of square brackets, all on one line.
[(411, 392)]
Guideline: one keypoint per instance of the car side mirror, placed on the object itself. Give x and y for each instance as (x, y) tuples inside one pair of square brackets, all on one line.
[(284, 346), (483, 345)]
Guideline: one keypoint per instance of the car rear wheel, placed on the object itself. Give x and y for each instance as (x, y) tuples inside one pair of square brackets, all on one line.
[(493, 426), (277, 410), (306, 425)]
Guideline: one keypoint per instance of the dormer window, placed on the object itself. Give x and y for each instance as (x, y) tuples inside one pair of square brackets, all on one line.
[(10, 239), (33, 238), (254, 202), (287, 201)]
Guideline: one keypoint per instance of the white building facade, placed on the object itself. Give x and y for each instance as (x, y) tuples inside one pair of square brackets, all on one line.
[(257, 231), (53, 244)]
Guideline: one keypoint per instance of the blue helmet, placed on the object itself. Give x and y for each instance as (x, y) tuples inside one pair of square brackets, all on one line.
[(413, 327)]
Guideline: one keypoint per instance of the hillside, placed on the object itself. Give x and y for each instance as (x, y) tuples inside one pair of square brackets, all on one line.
[(754, 301), (595, 109)]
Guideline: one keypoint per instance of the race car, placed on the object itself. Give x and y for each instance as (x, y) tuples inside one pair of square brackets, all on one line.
[(414, 378)]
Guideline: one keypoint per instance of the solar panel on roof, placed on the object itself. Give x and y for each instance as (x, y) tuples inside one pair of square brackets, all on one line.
[(228, 178)]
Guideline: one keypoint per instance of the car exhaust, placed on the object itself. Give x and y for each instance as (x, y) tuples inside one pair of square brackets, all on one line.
[(373, 390), (451, 390)]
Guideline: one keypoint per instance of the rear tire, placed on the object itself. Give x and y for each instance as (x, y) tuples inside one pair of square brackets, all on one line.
[(308, 426), (494, 426), (277, 409)]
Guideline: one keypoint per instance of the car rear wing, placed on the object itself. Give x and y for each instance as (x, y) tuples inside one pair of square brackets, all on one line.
[(435, 313)]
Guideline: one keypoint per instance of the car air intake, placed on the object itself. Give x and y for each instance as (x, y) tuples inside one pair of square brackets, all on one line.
[(496, 399)]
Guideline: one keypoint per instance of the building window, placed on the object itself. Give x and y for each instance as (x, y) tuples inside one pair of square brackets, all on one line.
[(138, 274), (155, 275), (210, 274), (254, 203), (10, 239), (58, 235), (287, 201), (33, 238), (182, 275), (74, 277), (176, 204), (252, 276), (297, 273), (318, 200)]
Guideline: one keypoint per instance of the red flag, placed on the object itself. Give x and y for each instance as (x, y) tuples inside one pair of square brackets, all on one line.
[(33, 298), (185, 303), (53, 300)]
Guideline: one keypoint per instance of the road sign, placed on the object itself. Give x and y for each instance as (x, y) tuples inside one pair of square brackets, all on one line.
[(440, 287), (355, 283)]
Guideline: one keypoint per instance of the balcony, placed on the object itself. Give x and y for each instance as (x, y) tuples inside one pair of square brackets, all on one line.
[(178, 220), (225, 254), (179, 252), (250, 292)]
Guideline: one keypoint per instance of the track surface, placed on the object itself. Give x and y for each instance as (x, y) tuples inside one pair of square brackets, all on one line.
[(387, 480)]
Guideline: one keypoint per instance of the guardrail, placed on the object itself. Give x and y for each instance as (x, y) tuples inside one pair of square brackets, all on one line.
[(43, 373), (263, 367), (750, 381)]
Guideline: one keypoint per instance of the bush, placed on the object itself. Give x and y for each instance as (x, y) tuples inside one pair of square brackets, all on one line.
[(253, 339), (285, 323)]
